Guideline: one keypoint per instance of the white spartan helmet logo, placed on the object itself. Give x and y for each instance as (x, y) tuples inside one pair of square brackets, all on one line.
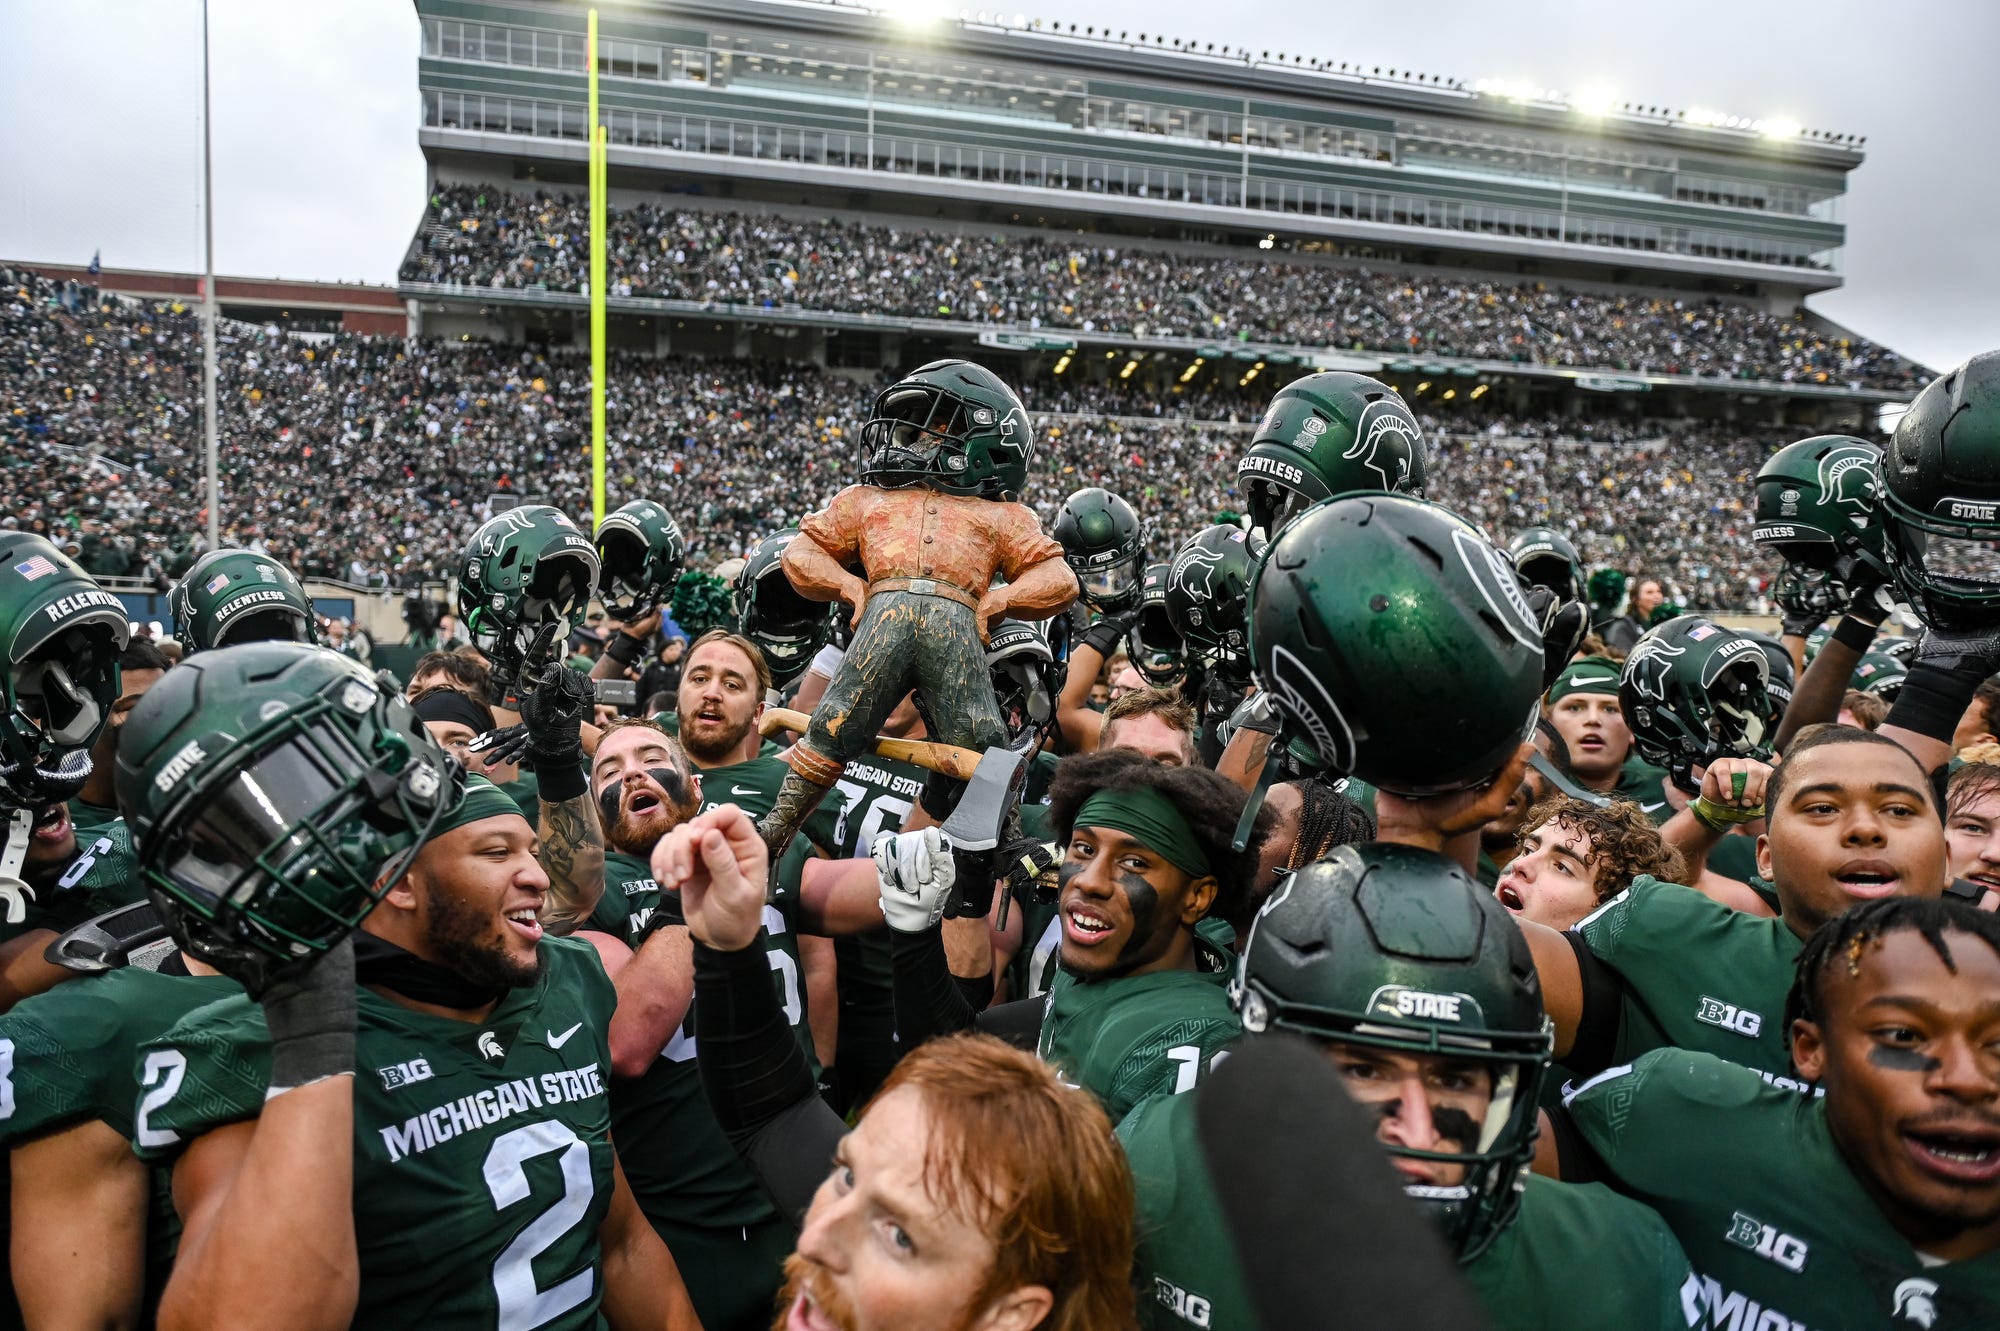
[(489, 1046), (1915, 1301)]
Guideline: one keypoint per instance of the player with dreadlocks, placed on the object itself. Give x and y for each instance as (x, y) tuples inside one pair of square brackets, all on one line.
[(1875, 1201)]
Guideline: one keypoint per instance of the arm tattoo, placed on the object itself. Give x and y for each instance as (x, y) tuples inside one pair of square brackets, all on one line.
[(573, 856)]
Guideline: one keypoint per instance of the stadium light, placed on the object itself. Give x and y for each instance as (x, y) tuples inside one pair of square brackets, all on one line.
[(1424, 387), (1268, 242), (1782, 127), (1479, 392), (917, 13), (1696, 115), (1126, 371), (1594, 102)]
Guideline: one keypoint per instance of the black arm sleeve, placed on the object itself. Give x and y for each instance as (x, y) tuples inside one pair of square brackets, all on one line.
[(757, 1078), (1603, 1009), (1576, 1160), (1018, 1023), (929, 1002)]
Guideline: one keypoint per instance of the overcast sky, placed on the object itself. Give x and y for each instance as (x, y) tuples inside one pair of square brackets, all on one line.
[(318, 174)]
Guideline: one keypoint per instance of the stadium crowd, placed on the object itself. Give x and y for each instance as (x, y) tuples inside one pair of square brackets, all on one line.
[(1430, 955), (484, 238), (370, 459)]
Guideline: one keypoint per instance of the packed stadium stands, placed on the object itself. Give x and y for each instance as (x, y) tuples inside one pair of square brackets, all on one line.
[(483, 238), (368, 459)]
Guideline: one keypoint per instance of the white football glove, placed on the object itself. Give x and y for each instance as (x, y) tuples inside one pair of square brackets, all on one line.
[(915, 873)]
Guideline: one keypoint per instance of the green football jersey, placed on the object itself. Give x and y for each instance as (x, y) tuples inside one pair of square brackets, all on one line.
[(1133, 1036), (1735, 856), (1781, 1233), (682, 1169), (1642, 783), (68, 1056), (1636, 1275), (86, 817), (873, 796), (1697, 975), (1529, 1279), (103, 876), (482, 1152)]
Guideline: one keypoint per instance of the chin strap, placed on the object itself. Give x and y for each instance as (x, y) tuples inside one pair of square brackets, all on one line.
[(20, 827)]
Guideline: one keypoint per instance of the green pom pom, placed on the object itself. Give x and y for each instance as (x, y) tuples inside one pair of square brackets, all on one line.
[(702, 602)]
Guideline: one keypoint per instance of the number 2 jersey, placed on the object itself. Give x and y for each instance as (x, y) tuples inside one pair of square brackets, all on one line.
[(1778, 1227), (482, 1152)]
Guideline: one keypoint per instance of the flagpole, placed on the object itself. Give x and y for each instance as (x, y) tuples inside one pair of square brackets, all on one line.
[(599, 185), (208, 301)]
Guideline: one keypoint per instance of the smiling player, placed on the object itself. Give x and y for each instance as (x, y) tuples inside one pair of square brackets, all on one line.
[(1877, 1204)]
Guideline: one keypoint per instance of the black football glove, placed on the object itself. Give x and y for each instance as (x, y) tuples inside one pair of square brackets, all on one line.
[(1562, 624), (1803, 603), (554, 713)]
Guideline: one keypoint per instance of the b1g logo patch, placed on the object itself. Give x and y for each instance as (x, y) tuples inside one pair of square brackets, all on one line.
[(1729, 1017), (404, 1074), (1767, 1242)]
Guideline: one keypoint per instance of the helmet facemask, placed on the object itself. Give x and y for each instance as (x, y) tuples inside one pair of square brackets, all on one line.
[(283, 852), (1473, 1211), (1112, 587), (917, 434), (57, 702), (1272, 504), (622, 586)]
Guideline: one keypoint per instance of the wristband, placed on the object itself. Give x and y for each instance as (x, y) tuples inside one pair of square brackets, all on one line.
[(1720, 817), (560, 782), (1102, 637), (1933, 700), (623, 648), (1854, 633), (310, 1014)]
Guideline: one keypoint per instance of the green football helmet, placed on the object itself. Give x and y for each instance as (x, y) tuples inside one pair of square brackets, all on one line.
[(526, 575), (275, 793), (1328, 434), (1784, 677), (1692, 692), (952, 425), (1816, 640), (1544, 557), (1028, 677), (1154, 644), (639, 558), (1397, 644), (1208, 600), (1901, 646), (60, 638), (1386, 947), (1941, 507), (1880, 674), (787, 628), (1104, 544), (237, 596), (1818, 502)]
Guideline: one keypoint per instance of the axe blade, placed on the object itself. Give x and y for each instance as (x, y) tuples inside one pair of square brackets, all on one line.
[(981, 812)]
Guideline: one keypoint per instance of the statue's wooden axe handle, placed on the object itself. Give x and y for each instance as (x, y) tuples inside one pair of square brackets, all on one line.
[(947, 759)]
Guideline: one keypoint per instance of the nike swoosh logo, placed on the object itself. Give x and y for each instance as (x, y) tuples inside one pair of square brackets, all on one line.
[(744, 790), (558, 1041)]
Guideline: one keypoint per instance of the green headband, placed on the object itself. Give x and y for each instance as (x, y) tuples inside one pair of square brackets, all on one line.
[(482, 800), (1593, 674), (1150, 817)]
